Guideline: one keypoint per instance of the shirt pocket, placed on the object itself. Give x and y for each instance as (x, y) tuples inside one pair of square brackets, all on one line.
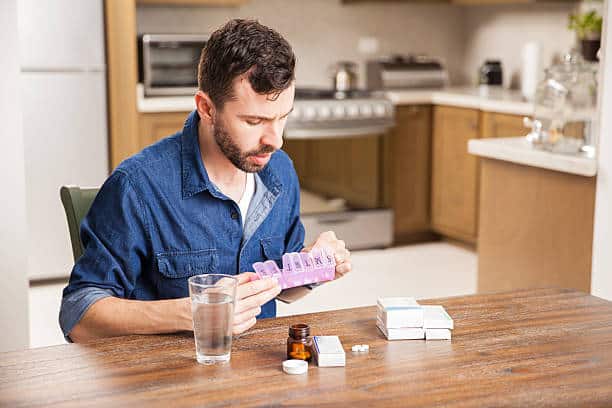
[(175, 267), (272, 248)]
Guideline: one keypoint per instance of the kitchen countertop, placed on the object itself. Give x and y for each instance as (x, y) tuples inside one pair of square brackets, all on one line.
[(494, 100), (154, 104), (518, 150)]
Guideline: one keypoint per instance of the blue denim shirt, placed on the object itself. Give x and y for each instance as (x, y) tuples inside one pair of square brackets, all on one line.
[(158, 219)]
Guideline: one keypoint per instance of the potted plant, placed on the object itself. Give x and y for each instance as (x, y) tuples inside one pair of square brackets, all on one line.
[(588, 30)]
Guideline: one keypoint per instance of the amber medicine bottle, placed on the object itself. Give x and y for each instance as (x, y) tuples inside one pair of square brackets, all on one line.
[(299, 342)]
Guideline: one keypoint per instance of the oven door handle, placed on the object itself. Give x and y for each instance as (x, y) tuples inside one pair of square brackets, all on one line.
[(326, 133)]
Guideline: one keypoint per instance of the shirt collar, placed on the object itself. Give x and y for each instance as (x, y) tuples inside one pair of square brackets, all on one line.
[(194, 175)]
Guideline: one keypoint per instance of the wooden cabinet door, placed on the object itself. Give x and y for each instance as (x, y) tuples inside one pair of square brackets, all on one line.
[(155, 126), (502, 125), (454, 195), (505, 125), (408, 171), (347, 168)]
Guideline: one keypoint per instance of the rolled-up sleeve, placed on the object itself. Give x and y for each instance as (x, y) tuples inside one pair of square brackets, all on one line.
[(115, 241), (75, 304)]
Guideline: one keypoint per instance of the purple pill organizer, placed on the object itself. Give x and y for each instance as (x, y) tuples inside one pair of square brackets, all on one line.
[(300, 268)]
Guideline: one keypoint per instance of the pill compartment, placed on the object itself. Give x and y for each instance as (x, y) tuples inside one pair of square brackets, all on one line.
[(309, 270), (300, 268)]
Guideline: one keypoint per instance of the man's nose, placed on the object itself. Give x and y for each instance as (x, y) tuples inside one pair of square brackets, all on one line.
[(273, 135)]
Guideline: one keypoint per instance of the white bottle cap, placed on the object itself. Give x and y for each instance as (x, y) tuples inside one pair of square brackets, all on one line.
[(295, 366)]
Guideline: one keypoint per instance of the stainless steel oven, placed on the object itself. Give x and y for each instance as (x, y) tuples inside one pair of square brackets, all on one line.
[(168, 63), (336, 143)]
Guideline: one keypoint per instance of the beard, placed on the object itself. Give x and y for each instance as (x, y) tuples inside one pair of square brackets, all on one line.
[(239, 158)]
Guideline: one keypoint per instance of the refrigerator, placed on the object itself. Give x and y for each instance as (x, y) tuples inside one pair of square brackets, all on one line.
[(63, 86)]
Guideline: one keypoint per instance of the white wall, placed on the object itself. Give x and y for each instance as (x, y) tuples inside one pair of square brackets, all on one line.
[(14, 296), (601, 274), (499, 32), (325, 31)]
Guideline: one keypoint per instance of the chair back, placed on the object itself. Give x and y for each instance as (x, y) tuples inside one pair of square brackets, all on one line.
[(76, 201)]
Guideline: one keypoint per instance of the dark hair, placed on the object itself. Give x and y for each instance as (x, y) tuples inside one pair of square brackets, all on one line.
[(240, 46)]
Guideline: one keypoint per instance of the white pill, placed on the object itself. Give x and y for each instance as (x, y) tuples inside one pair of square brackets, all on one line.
[(356, 348)]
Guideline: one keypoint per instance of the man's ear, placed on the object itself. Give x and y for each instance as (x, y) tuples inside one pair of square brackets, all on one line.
[(205, 107)]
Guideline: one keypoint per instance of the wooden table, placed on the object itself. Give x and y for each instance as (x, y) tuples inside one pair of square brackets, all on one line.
[(539, 347)]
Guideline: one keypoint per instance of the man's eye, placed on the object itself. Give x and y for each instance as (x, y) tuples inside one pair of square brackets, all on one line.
[(253, 122)]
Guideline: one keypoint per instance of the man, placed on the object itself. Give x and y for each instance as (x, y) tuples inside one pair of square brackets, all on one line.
[(213, 198)]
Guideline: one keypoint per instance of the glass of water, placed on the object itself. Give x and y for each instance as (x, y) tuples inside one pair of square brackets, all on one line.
[(213, 297)]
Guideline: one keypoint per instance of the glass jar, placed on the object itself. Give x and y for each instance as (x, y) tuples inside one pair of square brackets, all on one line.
[(565, 107), (299, 342)]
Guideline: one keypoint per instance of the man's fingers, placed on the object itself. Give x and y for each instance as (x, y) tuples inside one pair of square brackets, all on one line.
[(343, 269), (251, 288), (342, 255), (242, 327), (246, 315), (245, 277), (328, 235), (257, 299), (327, 238)]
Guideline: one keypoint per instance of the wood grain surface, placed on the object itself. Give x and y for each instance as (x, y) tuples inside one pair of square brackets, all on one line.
[(547, 347), (535, 228)]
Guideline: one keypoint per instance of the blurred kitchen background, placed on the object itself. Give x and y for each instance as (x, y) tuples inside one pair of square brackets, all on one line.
[(408, 136)]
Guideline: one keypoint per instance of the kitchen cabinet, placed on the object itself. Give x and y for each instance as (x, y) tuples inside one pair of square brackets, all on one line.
[(454, 187), (455, 177), (155, 126), (502, 125), (407, 158), (340, 167), (535, 228)]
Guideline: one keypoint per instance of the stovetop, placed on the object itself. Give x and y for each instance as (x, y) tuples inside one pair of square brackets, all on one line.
[(319, 113), (321, 94)]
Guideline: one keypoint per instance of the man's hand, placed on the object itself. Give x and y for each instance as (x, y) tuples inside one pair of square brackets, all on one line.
[(341, 254), (251, 294)]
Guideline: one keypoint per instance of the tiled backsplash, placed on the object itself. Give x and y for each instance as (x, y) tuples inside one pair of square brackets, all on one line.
[(325, 31)]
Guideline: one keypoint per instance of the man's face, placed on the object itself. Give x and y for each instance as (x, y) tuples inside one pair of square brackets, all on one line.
[(250, 126)]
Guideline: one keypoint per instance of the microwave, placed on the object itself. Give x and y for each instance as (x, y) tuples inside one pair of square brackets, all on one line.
[(168, 63)]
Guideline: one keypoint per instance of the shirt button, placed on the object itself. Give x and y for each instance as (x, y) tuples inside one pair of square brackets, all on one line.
[(234, 215)]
